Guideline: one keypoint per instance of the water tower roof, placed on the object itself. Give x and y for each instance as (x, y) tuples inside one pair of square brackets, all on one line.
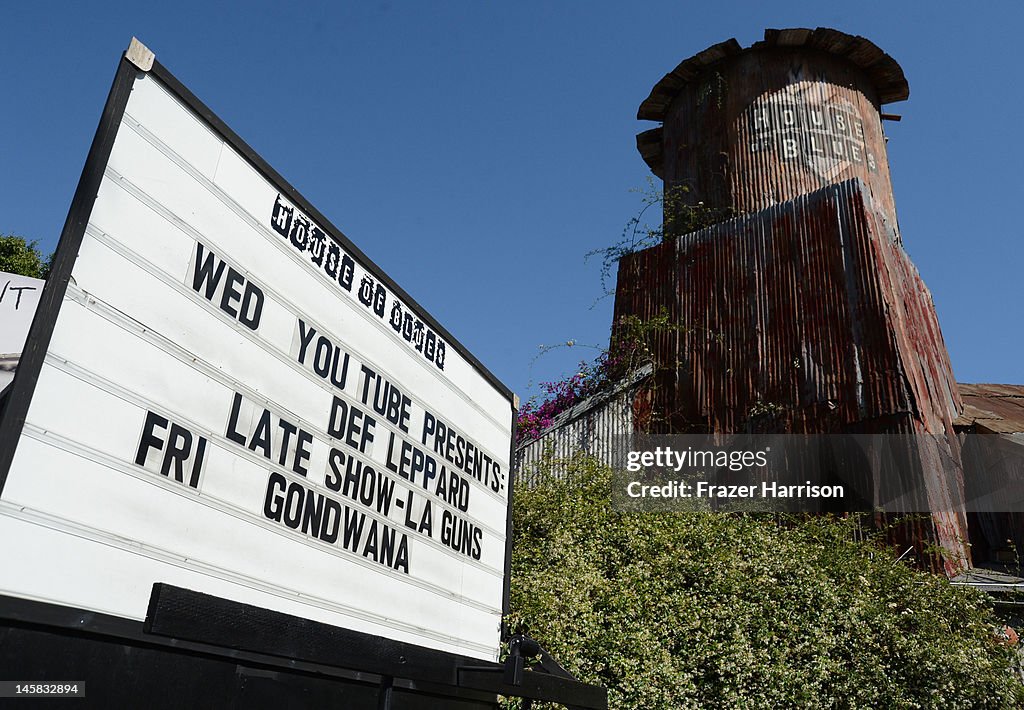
[(882, 70)]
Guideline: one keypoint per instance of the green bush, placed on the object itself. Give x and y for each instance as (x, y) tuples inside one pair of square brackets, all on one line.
[(704, 610)]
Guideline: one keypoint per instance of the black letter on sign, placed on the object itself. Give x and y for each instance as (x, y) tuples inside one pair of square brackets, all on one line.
[(417, 335), (439, 358), (333, 260), (380, 299), (396, 316), (366, 291), (282, 217), (300, 231), (204, 272), (252, 306), (149, 440), (347, 272), (232, 431), (336, 426), (179, 446), (317, 245)]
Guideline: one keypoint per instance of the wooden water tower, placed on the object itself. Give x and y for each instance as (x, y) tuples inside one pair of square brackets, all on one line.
[(804, 305)]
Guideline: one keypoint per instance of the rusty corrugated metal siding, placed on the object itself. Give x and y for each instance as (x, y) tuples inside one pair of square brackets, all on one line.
[(808, 317), (768, 125), (804, 314), (809, 310), (992, 409)]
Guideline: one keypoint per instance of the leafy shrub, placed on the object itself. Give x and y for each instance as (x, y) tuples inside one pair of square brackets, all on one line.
[(18, 256), (707, 610)]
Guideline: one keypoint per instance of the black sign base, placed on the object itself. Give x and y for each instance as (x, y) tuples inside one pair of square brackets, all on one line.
[(195, 650)]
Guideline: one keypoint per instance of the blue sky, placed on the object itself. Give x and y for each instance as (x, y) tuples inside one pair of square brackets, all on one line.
[(478, 150)]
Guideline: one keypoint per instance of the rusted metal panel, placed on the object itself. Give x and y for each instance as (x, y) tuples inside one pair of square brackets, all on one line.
[(992, 408), (809, 312), (805, 317), (768, 125)]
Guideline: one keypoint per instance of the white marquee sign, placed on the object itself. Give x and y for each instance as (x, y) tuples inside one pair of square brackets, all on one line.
[(235, 401)]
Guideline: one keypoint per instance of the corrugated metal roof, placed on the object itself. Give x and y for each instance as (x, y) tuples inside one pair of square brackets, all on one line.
[(885, 73), (994, 408)]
